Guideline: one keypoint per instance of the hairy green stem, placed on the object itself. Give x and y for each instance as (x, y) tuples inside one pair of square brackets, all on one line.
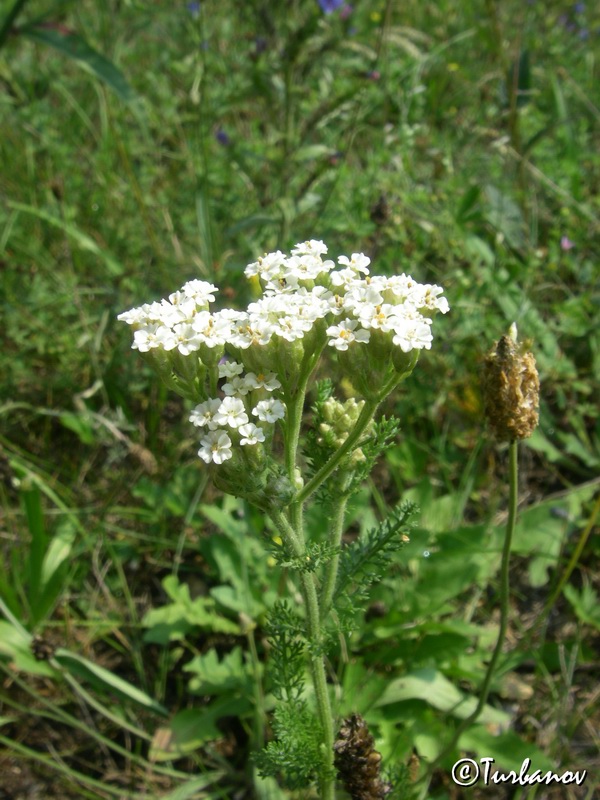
[(366, 415), (295, 407), (334, 540), (504, 606), (317, 663), (287, 533)]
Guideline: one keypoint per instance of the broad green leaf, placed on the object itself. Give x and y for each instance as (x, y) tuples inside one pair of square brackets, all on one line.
[(224, 519), (193, 727), (81, 426), (54, 570), (541, 529), (362, 687), (190, 789), (468, 206), (16, 645), (432, 687), (212, 676), (447, 567), (73, 46), (99, 676), (313, 151), (174, 620), (58, 551), (84, 241), (585, 603), (267, 788), (508, 749), (31, 496)]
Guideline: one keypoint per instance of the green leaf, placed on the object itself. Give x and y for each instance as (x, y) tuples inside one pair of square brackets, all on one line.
[(541, 530), (585, 603), (31, 496), (519, 78), (468, 208), (193, 727), (218, 677), (54, 569), (16, 645), (79, 425), (58, 551), (224, 519), (104, 679), (312, 151), (189, 790), (176, 619), (84, 241), (436, 690), (73, 46), (508, 749)]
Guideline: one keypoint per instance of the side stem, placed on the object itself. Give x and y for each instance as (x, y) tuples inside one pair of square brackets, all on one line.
[(366, 415), (336, 530)]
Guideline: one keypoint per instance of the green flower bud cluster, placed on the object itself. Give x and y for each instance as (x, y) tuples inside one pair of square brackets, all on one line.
[(338, 420)]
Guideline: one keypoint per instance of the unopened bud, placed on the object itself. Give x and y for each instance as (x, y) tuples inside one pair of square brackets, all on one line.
[(511, 390)]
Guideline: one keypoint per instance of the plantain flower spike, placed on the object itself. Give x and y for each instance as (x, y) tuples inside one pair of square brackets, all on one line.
[(358, 763), (511, 389)]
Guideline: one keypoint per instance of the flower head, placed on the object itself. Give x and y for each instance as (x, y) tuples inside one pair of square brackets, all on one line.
[(329, 6), (511, 390), (231, 412), (215, 447), (247, 363)]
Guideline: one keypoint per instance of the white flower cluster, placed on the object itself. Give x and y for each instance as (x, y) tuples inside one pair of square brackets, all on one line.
[(297, 291), (301, 293), (222, 419)]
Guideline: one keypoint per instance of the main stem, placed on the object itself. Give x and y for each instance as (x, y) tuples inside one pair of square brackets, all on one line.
[(295, 541)]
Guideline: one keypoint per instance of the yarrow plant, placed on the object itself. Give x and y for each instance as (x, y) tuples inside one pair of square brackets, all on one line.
[(247, 374)]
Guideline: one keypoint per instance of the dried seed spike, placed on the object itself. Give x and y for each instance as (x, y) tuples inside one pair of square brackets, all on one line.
[(357, 761), (511, 389)]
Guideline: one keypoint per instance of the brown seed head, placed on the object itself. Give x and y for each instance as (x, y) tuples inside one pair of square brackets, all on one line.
[(357, 761), (511, 390)]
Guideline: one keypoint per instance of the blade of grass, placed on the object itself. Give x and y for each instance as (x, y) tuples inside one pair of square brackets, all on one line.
[(77, 49), (81, 667), (84, 241), (10, 18), (32, 504)]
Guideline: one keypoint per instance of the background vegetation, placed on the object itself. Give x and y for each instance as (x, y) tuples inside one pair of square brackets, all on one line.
[(145, 144)]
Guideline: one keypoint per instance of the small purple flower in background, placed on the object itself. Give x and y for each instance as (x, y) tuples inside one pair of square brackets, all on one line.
[(222, 137), (260, 45), (193, 8), (329, 6), (566, 243), (579, 8), (346, 11)]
